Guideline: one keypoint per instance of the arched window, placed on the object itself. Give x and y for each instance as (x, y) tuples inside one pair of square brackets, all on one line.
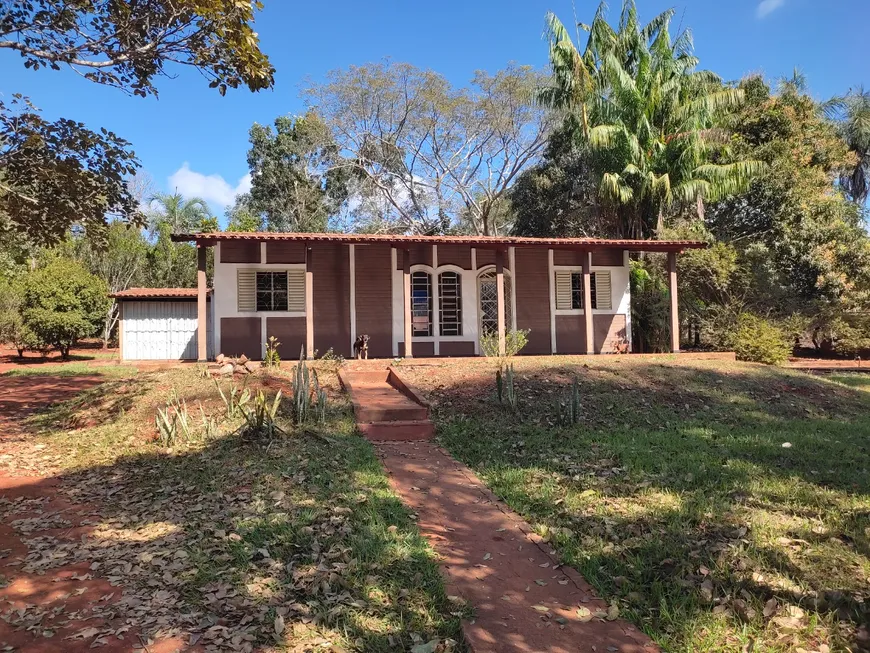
[(488, 294), (450, 303), (421, 304)]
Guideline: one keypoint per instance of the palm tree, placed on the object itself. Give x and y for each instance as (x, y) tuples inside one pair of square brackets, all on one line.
[(852, 116), (180, 214), (647, 117)]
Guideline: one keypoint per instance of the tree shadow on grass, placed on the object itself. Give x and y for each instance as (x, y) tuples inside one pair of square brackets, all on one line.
[(676, 495), (239, 544)]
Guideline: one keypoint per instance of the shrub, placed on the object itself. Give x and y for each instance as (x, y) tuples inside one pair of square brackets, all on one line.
[(63, 302), (272, 359), (13, 330), (173, 422), (504, 385), (850, 338), (260, 417), (758, 340), (515, 341)]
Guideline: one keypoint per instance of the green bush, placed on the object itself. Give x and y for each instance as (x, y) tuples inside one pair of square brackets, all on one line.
[(758, 340), (850, 338), (514, 340), (13, 330), (63, 302)]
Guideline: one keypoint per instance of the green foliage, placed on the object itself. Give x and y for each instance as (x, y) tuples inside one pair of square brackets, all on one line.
[(645, 116), (515, 341), (851, 114), (62, 302), (235, 402), (241, 217), (173, 422), (296, 185), (504, 383), (13, 330), (757, 340), (128, 48), (650, 308), (568, 408), (59, 173), (309, 399), (851, 337), (260, 417), (272, 359)]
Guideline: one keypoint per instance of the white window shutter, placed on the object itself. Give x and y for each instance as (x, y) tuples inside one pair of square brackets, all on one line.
[(603, 294), (296, 291), (563, 290), (246, 287)]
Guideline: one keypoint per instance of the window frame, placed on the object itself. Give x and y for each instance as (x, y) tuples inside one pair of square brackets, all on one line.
[(272, 292), (456, 324), (577, 272)]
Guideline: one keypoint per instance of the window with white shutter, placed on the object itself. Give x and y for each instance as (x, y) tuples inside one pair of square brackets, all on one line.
[(569, 290), (267, 291), (603, 296)]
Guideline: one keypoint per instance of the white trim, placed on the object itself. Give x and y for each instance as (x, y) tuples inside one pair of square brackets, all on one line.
[(476, 302), (473, 259), (435, 256), (351, 254), (263, 253), (551, 274)]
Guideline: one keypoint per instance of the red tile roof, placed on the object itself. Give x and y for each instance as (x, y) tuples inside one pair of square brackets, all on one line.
[(492, 242), (156, 293)]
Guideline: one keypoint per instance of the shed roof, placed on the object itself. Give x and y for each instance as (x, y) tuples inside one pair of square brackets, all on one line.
[(487, 242), (156, 293)]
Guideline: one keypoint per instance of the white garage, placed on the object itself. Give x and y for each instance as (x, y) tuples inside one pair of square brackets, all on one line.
[(160, 324)]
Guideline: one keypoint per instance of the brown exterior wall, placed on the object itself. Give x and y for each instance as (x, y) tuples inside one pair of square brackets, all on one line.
[(330, 266), (608, 330), (240, 251), (285, 252), (567, 257), (241, 335), (533, 298), (419, 254), (455, 348), (374, 298), (419, 349), (611, 258), (290, 332), (458, 255), (487, 257), (570, 334)]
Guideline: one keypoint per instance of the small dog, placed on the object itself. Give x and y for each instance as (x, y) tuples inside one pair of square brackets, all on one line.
[(361, 346)]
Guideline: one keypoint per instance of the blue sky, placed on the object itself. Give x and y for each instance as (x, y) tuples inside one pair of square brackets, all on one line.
[(195, 140)]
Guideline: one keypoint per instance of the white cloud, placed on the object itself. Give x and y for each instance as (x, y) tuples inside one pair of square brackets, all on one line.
[(214, 189), (767, 7)]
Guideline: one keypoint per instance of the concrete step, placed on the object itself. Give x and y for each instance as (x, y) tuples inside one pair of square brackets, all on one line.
[(402, 431), (388, 413)]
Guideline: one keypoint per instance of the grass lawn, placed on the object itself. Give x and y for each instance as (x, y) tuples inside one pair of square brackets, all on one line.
[(723, 506), (74, 368), (294, 544)]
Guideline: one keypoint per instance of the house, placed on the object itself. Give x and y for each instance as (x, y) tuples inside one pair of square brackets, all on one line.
[(417, 296)]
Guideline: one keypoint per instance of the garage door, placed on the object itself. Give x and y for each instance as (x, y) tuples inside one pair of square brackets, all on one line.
[(161, 330)]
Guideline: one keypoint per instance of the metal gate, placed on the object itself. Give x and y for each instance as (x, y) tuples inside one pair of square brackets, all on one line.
[(162, 330)]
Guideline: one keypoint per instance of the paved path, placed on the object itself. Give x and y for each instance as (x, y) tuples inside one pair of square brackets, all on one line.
[(523, 600)]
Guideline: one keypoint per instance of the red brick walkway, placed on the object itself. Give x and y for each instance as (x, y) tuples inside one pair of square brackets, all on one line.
[(523, 600)]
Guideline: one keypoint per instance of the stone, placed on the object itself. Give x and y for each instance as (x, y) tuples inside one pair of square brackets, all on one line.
[(226, 369), (251, 366), (219, 359), (243, 359), (241, 369)]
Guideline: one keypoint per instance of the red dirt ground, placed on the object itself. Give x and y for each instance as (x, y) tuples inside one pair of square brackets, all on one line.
[(68, 608), (524, 601)]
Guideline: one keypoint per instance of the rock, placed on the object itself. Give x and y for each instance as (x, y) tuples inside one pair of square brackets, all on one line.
[(251, 366), (226, 369), (241, 369), (219, 359), (243, 359)]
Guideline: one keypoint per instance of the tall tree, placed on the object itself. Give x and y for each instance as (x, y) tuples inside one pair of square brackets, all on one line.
[(181, 214), (851, 114), (128, 44), (240, 216), (58, 173), (648, 118), (430, 150), (296, 181)]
